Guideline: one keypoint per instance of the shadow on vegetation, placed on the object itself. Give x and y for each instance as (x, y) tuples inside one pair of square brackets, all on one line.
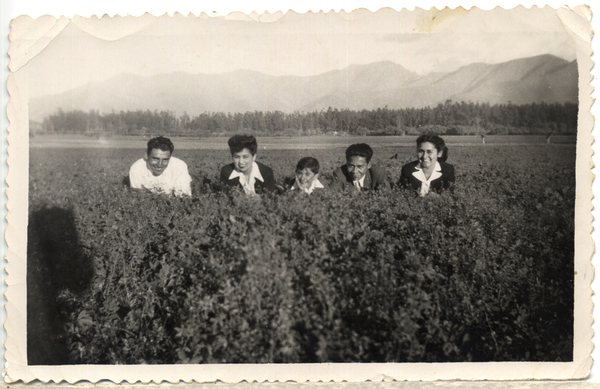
[(55, 262)]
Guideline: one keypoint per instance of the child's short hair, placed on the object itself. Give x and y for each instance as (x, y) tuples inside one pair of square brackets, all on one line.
[(238, 143), (308, 163), (359, 150), (160, 143), (438, 142)]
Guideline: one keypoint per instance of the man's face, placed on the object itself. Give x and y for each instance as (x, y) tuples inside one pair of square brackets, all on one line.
[(243, 160), (158, 160), (357, 167)]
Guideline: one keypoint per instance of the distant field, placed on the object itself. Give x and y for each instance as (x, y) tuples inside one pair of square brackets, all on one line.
[(281, 143)]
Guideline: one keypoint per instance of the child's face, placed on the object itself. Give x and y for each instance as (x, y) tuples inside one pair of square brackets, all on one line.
[(428, 154), (357, 167), (243, 160), (306, 177)]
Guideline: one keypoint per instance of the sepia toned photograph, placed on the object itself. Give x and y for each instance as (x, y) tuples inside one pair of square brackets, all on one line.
[(288, 196)]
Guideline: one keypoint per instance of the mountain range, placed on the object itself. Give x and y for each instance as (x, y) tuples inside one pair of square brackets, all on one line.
[(543, 78)]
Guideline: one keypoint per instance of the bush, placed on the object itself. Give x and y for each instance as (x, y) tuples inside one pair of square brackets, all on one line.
[(362, 131), (481, 274)]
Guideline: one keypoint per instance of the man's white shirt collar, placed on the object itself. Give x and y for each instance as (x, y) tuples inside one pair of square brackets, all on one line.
[(425, 183), (360, 182), (249, 184)]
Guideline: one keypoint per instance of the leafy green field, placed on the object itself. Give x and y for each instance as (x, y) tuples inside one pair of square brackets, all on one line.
[(483, 274)]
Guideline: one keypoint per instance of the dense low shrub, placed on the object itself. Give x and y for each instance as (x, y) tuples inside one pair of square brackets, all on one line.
[(481, 274)]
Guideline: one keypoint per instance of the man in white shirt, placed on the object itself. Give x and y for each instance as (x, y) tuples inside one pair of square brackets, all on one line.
[(160, 172)]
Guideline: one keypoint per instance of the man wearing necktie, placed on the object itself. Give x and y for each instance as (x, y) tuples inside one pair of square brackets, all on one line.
[(359, 172)]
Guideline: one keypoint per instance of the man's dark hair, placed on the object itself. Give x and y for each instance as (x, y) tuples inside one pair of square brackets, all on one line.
[(438, 142), (359, 150), (308, 163), (160, 143), (238, 143)]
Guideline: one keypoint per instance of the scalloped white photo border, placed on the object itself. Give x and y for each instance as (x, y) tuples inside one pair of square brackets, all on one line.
[(17, 369)]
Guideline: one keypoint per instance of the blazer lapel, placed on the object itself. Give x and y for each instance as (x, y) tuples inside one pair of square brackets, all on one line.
[(418, 174), (368, 180)]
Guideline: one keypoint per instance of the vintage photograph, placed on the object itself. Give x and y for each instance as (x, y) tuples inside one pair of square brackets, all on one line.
[(319, 189)]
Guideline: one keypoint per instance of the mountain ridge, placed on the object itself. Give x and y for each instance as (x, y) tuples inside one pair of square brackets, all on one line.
[(543, 78)]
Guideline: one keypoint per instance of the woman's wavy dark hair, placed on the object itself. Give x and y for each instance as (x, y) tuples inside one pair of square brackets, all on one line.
[(238, 143), (438, 142)]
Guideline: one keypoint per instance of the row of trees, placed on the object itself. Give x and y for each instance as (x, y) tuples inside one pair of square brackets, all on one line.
[(447, 118)]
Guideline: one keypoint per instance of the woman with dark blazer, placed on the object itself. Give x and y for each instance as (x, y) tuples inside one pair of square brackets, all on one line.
[(245, 172), (430, 173)]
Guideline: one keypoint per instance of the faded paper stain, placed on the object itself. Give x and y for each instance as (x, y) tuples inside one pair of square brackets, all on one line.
[(117, 27), (576, 22), (30, 36), (432, 20)]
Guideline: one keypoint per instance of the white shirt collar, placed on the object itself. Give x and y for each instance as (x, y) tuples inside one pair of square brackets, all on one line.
[(425, 183), (361, 182), (316, 184), (255, 173), (248, 184)]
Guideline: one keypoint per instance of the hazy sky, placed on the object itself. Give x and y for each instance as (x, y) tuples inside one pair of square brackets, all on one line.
[(58, 55)]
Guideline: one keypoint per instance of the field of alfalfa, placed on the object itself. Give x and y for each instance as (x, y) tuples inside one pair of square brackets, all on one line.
[(481, 274)]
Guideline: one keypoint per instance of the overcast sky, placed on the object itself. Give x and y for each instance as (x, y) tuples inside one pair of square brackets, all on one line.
[(58, 55)]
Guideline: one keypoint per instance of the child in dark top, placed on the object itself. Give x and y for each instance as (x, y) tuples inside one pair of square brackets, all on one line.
[(358, 173), (245, 172), (430, 172), (306, 178)]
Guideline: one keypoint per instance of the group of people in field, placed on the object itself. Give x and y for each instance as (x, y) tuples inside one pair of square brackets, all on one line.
[(160, 171)]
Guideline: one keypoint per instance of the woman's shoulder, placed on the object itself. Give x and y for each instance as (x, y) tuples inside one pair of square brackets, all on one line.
[(227, 168), (264, 169), (446, 166), (448, 174)]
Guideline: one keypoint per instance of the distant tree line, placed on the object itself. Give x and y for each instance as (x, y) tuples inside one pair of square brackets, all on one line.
[(448, 118)]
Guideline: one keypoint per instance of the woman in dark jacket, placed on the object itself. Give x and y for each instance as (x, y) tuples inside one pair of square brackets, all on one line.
[(245, 172), (430, 172)]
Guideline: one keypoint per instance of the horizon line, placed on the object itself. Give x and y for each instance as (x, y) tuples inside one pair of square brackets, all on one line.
[(340, 69)]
